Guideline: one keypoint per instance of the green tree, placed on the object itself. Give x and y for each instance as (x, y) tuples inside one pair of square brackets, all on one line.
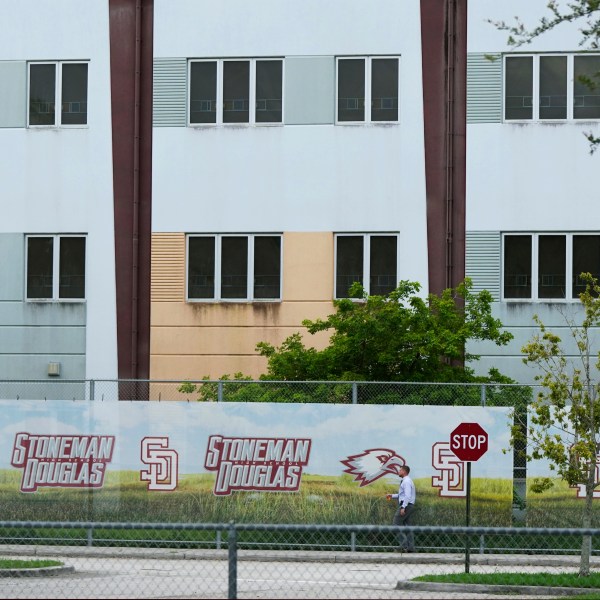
[(564, 418), (398, 337), (583, 12)]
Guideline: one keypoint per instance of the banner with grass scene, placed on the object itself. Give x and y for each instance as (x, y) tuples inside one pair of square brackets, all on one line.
[(255, 462)]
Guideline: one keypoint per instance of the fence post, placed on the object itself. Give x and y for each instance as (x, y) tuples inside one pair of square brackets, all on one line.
[(220, 391), (354, 392), (483, 394), (232, 559), (353, 541), (218, 539), (90, 536), (92, 389)]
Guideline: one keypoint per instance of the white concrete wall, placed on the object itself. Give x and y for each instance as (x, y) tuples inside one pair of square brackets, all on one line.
[(483, 35), (527, 176), (59, 180), (199, 28), (531, 177)]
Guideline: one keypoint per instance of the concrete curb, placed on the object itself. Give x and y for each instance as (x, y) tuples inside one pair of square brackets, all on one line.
[(418, 558), (478, 588), (36, 572)]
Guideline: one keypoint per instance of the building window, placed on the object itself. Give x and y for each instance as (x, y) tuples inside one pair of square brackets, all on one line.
[(246, 91), (536, 87), (586, 259), (234, 267), (367, 90), (586, 91), (58, 94), (203, 92), (370, 259), (55, 267), (269, 95), (548, 266)]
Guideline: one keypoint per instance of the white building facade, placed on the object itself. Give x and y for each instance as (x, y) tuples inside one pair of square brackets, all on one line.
[(57, 268), (186, 179), (288, 161), (533, 223)]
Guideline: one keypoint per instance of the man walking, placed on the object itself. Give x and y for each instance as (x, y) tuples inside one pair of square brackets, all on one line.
[(406, 505)]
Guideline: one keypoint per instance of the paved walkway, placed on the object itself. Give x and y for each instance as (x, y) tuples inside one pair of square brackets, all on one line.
[(172, 573), (333, 556)]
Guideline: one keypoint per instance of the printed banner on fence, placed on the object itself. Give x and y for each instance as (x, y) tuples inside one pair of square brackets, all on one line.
[(320, 453)]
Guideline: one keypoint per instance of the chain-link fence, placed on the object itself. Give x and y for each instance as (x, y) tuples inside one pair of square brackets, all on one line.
[(328, 392), (203, 560), (98, 558)]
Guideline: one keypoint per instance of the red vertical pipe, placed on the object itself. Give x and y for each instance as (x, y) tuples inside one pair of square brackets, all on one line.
[(444, 60), (131, 23), (457, 139), (136, 189), (145, 190)]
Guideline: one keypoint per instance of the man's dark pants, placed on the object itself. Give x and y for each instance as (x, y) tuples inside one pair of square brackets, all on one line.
[(405, 540)]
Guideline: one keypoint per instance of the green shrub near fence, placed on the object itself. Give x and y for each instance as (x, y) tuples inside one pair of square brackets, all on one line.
[(240, 388)]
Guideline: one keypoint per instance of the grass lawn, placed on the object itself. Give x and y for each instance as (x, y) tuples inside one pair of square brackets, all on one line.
[(545, 579), (321, 499), (9, 563)]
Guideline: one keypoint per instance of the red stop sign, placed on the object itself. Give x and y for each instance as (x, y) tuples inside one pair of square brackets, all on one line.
[(469, 441)]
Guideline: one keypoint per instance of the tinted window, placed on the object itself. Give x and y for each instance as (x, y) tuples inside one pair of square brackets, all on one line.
[(201, 267), (382, 270), (586, 259), (267, 267), (71, 282), (203, 92), (586, 87), (349, 263), (351, 90), (268, 91), (384, 89), (40, 251), (517, 266), (236, 91), (42, 94), (553, 87), (519, 88), (551, 266), (74, 94), (234, 267)]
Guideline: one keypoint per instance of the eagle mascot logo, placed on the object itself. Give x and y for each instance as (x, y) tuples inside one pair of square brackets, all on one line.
[(372, 464)]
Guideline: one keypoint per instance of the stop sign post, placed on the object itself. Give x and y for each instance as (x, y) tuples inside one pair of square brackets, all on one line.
[(469, 442)]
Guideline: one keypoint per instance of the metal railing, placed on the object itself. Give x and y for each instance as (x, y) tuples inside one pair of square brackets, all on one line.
[(246, 390), (351, 538), (307, 560)]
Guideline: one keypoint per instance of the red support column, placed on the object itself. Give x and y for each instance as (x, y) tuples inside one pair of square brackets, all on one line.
[(444, 52), (131, 58)]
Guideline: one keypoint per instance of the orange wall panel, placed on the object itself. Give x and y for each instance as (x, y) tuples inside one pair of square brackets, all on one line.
[(190, 340)]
